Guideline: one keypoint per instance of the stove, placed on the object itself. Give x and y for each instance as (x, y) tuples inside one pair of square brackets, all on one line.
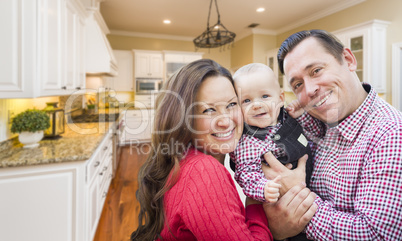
[(93, 118)]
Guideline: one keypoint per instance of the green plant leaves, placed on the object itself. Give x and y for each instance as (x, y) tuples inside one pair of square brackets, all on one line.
[(30, 120)]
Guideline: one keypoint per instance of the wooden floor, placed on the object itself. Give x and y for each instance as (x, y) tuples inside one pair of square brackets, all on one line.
[(120, 212)]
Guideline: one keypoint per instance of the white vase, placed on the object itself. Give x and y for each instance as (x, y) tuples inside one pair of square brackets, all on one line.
[(30, 139)]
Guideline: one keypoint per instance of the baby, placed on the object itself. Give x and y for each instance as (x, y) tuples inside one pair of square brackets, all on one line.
[(267, 128)]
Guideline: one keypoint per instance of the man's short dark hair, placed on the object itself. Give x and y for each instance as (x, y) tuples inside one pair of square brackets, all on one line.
[(328, 41)]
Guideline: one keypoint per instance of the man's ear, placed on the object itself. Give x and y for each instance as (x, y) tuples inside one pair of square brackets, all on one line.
[(350, 59)]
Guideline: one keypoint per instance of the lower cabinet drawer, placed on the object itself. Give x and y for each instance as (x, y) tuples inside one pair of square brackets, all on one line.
[(92, 167), (104, 185)]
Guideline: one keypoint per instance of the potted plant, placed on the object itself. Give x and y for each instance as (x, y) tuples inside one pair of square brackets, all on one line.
[(30, 125)]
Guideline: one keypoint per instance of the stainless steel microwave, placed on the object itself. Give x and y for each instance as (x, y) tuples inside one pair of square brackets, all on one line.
[(148, 86)]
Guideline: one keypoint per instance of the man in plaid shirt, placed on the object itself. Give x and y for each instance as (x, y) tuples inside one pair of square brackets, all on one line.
[(357, 147)]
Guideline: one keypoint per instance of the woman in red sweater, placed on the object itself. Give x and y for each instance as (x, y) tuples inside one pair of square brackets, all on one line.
[(185, 192)]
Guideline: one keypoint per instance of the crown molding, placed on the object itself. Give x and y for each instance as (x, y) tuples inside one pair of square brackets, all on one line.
[(150, 35)]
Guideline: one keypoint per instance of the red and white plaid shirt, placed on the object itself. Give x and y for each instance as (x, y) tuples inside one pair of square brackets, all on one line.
[(248, 156), (358, 175)]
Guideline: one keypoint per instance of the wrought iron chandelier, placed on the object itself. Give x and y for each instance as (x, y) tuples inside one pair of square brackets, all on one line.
[(215, 36)]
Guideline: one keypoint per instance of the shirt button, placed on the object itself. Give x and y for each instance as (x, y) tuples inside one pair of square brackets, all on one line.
[(277, 137)]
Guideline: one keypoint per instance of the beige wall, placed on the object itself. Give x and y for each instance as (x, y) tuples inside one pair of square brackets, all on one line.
[(388, 10), (242, 53), (261, 45)]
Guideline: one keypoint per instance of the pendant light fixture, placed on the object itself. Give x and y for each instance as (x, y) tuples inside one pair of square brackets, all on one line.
[(215, 36)]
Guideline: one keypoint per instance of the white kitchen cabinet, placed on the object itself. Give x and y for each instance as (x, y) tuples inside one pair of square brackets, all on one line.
[(18, 51), (39, 38), (368, 43), (75, 60), (47, 202), (99, 175), (109, 82), (61, 201), (145, 101), (137, 126), (52, 38), (124, 81), (174, 60), (148, 64)]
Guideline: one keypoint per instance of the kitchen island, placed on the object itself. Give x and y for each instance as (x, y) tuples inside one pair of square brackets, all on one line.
[(57, 190)]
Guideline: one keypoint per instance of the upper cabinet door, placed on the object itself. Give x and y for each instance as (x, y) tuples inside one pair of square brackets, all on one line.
[(156, 65), (18, 48), (42, 48), (148, 64), (367, 42), (52, 44)]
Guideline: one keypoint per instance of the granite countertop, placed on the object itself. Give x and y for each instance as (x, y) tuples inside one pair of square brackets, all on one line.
[(78, 143)]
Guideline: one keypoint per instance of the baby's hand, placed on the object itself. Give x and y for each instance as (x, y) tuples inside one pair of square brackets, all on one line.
[(294, 109), (271, 190)]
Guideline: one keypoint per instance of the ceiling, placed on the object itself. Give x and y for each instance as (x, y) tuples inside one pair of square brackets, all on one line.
[(189, 17)]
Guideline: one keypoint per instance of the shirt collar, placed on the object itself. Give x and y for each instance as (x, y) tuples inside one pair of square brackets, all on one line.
[(261, 133), (350, 126)]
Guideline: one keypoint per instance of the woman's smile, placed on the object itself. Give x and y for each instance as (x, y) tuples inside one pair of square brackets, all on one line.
[(224, 135), (218, 124)]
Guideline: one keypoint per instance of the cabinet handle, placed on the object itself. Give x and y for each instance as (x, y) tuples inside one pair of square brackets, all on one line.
[(78, 88), (105, 148), (104, 194), (64, 87), (96, 164)]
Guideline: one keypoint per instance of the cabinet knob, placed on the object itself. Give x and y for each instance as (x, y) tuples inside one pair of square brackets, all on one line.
[(78, 88), (96, 164), (64, 87)]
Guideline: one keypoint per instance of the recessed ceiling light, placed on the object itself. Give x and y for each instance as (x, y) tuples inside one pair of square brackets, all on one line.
[(166, 21), (260, 10)]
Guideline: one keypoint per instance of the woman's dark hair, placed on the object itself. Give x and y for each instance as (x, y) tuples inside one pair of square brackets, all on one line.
[(328, 41), (170, 141)]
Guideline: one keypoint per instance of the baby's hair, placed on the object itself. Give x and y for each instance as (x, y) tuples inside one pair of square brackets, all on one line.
[(250, 68), (253, 68)]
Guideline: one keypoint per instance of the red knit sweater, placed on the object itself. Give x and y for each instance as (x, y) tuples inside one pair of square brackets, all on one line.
[(204, 205)]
